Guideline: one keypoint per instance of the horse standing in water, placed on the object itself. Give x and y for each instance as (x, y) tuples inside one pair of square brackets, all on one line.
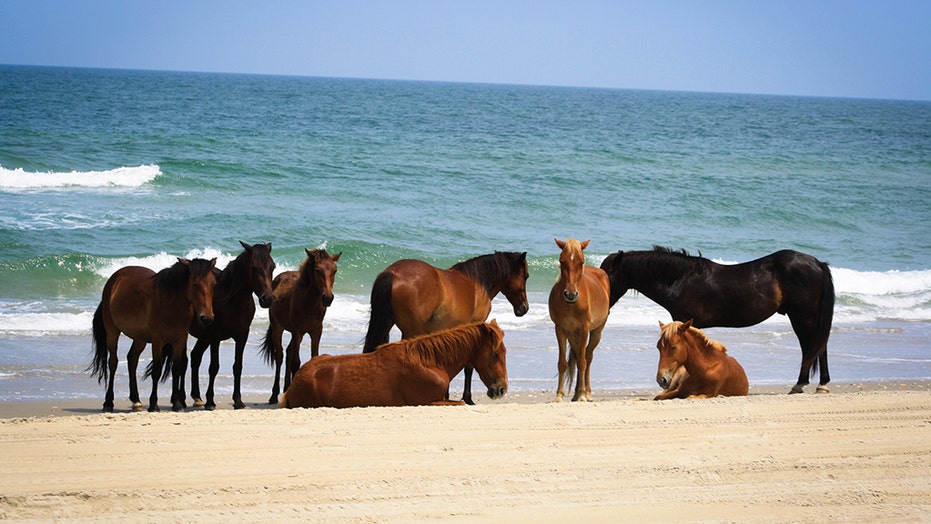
[(717, 295), (301, 300), (155, 308), (579, 309), (710, 371), (421, 299), (234, 309), (410, 372)]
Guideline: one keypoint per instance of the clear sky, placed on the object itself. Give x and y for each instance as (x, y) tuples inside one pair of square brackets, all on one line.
[(845, 48)]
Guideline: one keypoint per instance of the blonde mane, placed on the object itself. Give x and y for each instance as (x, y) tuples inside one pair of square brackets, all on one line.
[(574, 249), (703, 342)]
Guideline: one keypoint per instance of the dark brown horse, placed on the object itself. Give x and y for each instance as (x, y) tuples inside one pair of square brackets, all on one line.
[(716, 295), (155, 308), (579, 310), (421, 299), (233, 309), (301, 300), (410, 372), (708, 370)]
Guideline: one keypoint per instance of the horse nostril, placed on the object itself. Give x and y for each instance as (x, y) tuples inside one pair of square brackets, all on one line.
[(205, 320), (570, 297), (327, 300), (266, 300)]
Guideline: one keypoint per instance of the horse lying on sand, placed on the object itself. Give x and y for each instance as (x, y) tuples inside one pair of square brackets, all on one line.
[(410, 372), (709, 370)]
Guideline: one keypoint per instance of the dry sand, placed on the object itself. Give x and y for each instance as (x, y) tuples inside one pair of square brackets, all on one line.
[(859, 454)]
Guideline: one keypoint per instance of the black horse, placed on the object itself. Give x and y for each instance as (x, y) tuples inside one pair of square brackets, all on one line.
[(234, 309), (716, 295)]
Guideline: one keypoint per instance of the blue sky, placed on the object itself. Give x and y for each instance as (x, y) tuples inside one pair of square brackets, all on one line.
[(857, 48)]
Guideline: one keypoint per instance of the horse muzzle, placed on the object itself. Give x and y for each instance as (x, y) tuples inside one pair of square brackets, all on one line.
[(266, 301), (204, 320), (570, 297), (521, 309), (495, 392), (664, 379), (327, 300)]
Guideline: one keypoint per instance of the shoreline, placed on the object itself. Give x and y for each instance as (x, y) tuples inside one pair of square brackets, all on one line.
[(79, 407)]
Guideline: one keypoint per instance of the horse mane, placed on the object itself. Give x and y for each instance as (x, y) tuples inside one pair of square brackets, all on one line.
[(664, 264), (176, 276), (705, 344), (574, 248), (450, 347), (234, 276), (489, 269)]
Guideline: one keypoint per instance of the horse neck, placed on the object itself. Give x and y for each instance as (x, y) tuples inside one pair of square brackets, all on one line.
[(489, 271), (453, 349), (702, 352), (650, 274), (233, 280)]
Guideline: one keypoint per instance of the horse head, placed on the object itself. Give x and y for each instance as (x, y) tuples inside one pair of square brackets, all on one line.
[(673, 353), (260, 272), (515, 288), (571, 262), (201, 281), (612, 266), (490, 361), (324, 272)]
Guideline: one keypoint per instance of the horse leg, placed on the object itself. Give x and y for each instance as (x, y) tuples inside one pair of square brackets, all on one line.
[(825, 376), (112, 362), (178, 368), (561, 364), (237, 372), (132, 361), (580, 349), (197, 355), (157, 363), (274, 335), (803, 333), (210, 405), (593, 340), (467, 385), (292, 358)]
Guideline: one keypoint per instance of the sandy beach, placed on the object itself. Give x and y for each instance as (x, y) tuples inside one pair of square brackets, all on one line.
[(860, 453)]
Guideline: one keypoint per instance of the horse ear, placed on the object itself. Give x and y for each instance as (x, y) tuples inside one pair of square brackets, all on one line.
[(560, 243), (494, 322), (686, 325), (269, 245), (336, 256), (661, 325), (245, 246), (184, 261), (213, 262), (585, 244), (307, 251)]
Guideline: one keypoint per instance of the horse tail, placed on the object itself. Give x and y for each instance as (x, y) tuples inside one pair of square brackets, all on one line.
[(268, 348), (825, 319), (167, 361), (382, 315), (570, 371), (98, 366)]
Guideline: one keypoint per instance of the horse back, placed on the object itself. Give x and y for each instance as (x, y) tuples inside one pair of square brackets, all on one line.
[(128, 301), (426, 299)]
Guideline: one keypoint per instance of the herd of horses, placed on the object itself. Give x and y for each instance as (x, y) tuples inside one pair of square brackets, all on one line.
[(442, 316)]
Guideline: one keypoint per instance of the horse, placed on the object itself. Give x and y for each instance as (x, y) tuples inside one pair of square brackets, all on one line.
[(409, 372), (234, 309), (709, 370), (301, 301), (155, 308), (717, 295), (420, 298), (579, 309)]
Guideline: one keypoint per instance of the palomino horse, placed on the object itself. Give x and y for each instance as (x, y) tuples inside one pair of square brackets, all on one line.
[(579, 309), (155, 308), (740, 295), (234, 309), (710, 371), (410, 372), (301, 300), (421, 299)]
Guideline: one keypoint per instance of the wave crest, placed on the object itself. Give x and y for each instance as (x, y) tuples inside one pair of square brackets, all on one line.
[(14, 179)]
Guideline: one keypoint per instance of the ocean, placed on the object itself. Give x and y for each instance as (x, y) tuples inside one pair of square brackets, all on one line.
[(105, 168)]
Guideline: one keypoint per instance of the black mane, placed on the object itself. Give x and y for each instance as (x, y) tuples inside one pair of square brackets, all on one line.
[(490, 269), (177, 275)]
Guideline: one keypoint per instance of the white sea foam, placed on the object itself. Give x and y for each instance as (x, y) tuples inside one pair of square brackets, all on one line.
[(19, 179), (162, 260)]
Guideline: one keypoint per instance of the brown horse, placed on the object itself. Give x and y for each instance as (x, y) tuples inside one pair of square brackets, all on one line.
[(421, 299), (234, 309), (410, 372), (301, 300), (710, 371), (579, 309), (717, 295), (155, 308)]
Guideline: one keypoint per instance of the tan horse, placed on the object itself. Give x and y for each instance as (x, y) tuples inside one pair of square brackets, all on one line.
[(579, 306), (155, 308), (410, 372), (709, 370), (301, 300)]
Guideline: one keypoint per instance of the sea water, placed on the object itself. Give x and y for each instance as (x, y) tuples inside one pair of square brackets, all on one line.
[(104, 168)]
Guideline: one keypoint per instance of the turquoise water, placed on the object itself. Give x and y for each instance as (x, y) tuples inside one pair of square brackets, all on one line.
[(102, 168)]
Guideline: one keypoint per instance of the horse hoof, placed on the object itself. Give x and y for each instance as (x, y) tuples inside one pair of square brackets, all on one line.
[(822, 389), (198, 403), (107, 408), (154, 409), (239, 405), (273, 400), (210, 407), (137, 406), (796, 389)]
